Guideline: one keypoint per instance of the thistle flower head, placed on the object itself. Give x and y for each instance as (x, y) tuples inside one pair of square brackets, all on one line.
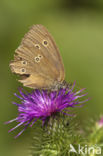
[(43, 104)]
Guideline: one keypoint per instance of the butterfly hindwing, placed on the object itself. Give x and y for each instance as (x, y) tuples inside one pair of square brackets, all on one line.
[(37, 59)]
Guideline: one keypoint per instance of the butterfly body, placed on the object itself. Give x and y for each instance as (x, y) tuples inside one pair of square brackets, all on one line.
[(37, 60)]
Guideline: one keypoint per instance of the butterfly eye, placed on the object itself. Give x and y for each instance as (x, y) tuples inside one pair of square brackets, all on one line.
[(37, 59), (37, 46), (24, 62), (23, 70), (45, 43)]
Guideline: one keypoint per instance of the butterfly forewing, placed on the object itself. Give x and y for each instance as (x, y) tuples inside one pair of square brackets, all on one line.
[(37, 59)]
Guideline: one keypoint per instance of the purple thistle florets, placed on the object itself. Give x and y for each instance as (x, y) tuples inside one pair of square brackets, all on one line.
[(43, 104)]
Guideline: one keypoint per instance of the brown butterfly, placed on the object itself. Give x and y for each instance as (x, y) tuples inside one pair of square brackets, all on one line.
[(37, 60)]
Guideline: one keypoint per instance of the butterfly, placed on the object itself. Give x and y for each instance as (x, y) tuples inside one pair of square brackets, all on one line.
[(37, 60)]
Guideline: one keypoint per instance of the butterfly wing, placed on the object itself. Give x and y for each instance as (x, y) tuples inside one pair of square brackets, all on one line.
[(37, 59)]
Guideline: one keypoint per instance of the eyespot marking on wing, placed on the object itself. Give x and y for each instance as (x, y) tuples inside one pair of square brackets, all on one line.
[(40, 56), (37, 59), (45, 43), (24, 62), (37, 46), (23, 70)]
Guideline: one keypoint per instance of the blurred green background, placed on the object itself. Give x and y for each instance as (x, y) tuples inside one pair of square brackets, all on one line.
[(77, 27)]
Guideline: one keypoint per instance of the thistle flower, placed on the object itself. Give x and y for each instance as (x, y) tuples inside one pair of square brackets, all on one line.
[(43, 104)]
